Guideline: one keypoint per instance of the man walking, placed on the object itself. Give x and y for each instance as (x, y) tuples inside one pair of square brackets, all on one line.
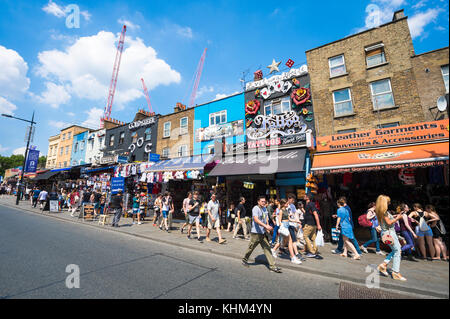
[(185, 210), (214, 213), (36, 192), (116, 205), (312, 225), (194, 212), (240, 215), (42, 198), (260, 225)]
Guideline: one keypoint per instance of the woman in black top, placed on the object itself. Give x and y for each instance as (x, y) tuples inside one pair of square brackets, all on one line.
[(435, 225)]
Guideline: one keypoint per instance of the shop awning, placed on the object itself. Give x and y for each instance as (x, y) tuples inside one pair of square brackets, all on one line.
[(196, 162), (45, 176), (261, 164), (411, 156), (86, 171)]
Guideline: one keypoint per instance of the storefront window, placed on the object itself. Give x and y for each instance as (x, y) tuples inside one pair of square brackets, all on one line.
[(382, 96)]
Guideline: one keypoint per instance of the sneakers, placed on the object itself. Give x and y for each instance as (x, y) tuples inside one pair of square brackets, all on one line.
[(181, 230), (189, 237), (397, 276), (222, 241), (318, 257), (275, 269), (139, 223), (200, 241), (380, 253), (245, 263), (336, 252), (295, 260), (274, 253), (247, 238), (364, 249), (309, 255), (300, 257)]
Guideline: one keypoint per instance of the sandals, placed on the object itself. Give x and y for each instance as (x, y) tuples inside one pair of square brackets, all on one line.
[(343, 255), (357, 257), (383, 270)]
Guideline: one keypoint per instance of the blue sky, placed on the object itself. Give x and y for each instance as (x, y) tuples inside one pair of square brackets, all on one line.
[(63, 73)]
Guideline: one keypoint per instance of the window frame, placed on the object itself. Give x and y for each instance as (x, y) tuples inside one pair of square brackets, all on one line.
[(164, 151), (351, 101), (121, 138), (67, 150), (388, 125), (219, 113), (184, 146), (111, 140), (146, 134), (383, 93), (330, 67), (283, 99), (372, 48), (184, 129), (165, 129), (443, 77), (69, 135), (75, 149), (345, 131)]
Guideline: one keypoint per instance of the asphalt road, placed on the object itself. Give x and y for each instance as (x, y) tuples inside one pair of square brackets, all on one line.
[(35, 251)]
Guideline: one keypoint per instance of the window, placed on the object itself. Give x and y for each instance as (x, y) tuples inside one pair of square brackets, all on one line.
[(69, 135), (183, 125), (386, 125), (67, 150), (121, 137), (277, 106), (148, 134), (111, 140), (91, 143), (444, 70), (375, 55), (64, 136), (166, 129), (65, 164), (349, 130), (165, 152), (61, 149), (382, 96), (134, 137), (182, 151), (337, 66), (342, 102), (218, 118), (75, 148), (82, 145), (211, 149), (100, 141)]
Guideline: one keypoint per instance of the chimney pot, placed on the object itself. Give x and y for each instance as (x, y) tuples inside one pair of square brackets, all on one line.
[(398, 15)]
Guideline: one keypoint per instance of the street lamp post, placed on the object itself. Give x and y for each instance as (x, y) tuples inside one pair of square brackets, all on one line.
[(19, 190)]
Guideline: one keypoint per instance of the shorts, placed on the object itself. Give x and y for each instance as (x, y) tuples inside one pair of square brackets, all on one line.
[(186, 218), (216, 223), (421, 233), (193, 219), (165, 213), (136, 211), (436, 232)]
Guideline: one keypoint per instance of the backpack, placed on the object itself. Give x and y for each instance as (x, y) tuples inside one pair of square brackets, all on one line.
[(363, 221)]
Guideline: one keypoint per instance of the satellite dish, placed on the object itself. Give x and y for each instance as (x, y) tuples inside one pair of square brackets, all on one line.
[(442, 103)]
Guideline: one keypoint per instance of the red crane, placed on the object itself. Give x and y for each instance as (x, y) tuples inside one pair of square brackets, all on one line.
[(198, 74), (115, 74), (147, 96)]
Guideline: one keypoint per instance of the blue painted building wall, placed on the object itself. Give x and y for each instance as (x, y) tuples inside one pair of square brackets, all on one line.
[(235, 107), (78, 156)]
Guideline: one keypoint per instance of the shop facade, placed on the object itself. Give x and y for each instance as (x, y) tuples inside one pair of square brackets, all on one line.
[(279, 125), (409, 163)]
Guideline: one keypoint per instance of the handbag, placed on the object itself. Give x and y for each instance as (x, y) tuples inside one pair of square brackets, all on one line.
[(387, 239), (283, 231), (441, 228), (363, 221), (423, 226), (319, 239), (335, 234)]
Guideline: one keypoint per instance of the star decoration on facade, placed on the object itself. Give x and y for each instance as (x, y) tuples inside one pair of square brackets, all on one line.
[(274, 66)]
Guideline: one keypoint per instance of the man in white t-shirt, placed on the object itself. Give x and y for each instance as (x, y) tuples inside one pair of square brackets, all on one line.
[(42, 198), (185, 210), (213, 209)]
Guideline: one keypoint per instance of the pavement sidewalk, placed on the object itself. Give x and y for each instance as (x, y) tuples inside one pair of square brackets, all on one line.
[(429, 279)]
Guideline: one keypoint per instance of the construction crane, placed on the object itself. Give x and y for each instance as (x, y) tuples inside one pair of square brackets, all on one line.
[(147, 96), (115, 74), (198, 74)]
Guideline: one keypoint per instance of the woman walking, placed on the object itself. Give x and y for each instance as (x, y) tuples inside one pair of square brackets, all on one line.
[(157, 206), (435, 224), (406, 230), (374, 230), (283, 220), (231, 217), (424, 232), (344, 223), (387, 222), (274, 216)]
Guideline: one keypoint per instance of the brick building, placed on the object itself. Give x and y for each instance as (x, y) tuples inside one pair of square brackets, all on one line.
[(431, 72), (176, 133), (368, 80)]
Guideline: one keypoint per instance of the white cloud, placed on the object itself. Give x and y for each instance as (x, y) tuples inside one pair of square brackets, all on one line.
[(93, 120), (13, 74), (203, 90), (61, 11), (129, 24), (54, 95), (84, 68), (19, 151), (54, 9), (185, 32), (222, 96), (70, 113), (3, 149), (418, 22), (58, 124), (6, 107), (420, 4)]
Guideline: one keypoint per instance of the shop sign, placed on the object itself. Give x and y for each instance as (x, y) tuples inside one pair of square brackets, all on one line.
[(277, 78), (122, 159), (32, 161), (154, 157), (117, 183), (285, 124), (141, 123), (54, 206), (108, 159), (404, 134), (218, 131)]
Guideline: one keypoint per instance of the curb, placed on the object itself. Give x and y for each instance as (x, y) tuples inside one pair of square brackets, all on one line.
[(239, 257)]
